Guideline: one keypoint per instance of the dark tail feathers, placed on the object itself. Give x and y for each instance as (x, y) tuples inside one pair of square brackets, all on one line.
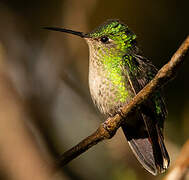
[(146, 141)]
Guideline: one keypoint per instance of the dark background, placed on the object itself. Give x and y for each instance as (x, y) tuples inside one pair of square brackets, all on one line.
[(48, 72)]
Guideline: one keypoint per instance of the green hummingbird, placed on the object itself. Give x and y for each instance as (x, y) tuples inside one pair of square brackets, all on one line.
[(117, 72)]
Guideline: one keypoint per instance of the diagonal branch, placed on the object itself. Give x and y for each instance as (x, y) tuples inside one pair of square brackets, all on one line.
[(181, 166), (107, 129)]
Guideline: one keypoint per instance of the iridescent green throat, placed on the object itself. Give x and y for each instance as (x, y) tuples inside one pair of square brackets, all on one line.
[(116, 72), (114, 55)]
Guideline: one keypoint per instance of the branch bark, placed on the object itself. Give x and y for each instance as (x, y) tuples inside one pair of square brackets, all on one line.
[(107, 129), (181, 166)]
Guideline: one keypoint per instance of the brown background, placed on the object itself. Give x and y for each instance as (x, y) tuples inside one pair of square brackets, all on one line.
[(45, 105)]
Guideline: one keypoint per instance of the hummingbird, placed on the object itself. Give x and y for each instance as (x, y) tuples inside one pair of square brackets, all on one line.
[(117, 72)]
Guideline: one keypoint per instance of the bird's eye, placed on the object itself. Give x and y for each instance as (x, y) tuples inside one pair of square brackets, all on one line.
[(104, 39)]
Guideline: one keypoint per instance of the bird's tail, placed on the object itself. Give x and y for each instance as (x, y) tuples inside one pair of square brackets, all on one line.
[(146, 141)]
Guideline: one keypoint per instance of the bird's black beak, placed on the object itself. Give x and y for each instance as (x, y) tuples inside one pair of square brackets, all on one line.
[(81, 34)]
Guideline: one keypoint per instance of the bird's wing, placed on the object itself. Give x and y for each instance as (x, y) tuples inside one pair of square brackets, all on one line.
[(144, 131), (145, 72)]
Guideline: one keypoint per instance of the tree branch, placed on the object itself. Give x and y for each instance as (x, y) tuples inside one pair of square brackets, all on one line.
[(107, 129), (181, 166)]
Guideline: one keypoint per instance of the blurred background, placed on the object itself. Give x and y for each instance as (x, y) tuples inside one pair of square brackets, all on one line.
[(45, 105)]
